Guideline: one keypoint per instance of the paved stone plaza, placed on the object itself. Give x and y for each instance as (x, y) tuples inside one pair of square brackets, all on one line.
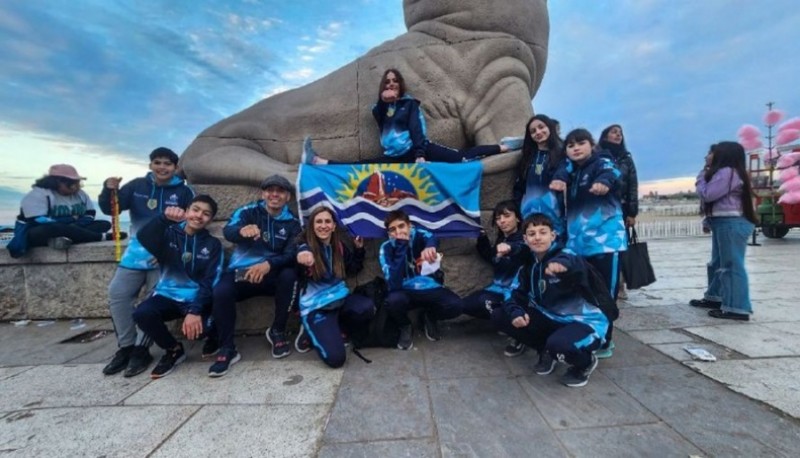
[(457, 397)]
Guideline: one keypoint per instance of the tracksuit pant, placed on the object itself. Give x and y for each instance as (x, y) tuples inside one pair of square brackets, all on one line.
[(39, 234), (122, 293), (152, 314), (439, 303), (324, 327), (481, 303), (607, 265)]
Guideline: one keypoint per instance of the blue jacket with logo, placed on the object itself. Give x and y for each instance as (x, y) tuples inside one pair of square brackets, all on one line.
[(190, 264), (277, 243), (558, 297), (505, 267), (318, 294), (400, 260), (594, 223), (402, 127), (134, 197)]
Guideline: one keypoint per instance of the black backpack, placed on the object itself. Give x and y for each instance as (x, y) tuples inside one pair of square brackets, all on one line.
[(598, 294), (382, 330)]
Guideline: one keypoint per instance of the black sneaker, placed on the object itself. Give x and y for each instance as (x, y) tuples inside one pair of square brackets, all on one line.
[(575, 377), (728, 315), (168, 362), (210, 347), (59, 243), (405, 342), (139, 362), (431, 328), (225, 360), (119, 361), (280, 346), (302, 343), (705, 304), (546, 364), (514, 348)]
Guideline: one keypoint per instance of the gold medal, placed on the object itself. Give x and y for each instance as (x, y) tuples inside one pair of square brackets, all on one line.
[(390, 111), (187, 257), (539, 169), (542, 286), (152, 204)]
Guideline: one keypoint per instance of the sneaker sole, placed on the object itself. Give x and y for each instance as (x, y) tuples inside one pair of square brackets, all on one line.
[(577, 384), (177, 362), (231, 363), (399, 347), (512, 354), (297, 340), (548, 372), (144, 367)]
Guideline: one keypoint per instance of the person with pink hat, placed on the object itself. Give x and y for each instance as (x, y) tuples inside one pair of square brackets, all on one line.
[(59, 213)]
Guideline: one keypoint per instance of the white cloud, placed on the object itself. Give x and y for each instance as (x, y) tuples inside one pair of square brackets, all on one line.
[(302, 73)]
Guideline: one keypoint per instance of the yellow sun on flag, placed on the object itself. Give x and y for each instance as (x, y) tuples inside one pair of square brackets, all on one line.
[(396, 178)]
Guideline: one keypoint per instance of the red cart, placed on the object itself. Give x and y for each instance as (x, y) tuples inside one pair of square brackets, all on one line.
[(775, 220)]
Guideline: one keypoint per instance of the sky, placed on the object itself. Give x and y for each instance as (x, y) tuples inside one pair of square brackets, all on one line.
[(99, 83)]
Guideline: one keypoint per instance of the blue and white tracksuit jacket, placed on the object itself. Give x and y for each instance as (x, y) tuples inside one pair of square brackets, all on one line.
[(594, 223), (557, 297), (277, 243), (190, 264), (134, 197), (399, 261), (402, 127), (506, 267), (318, 294)]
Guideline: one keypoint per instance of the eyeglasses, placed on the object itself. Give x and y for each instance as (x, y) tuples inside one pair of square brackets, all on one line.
[(70, 183)]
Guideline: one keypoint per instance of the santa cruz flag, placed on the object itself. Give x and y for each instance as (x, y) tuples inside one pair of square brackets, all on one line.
[(443, 198)]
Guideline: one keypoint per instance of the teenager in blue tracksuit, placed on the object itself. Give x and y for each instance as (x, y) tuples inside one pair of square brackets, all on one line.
[(262, 264), (595, 227), (542, 154), (327, 307), (144, 198), (403, 132), (401, 259), (506, 256), (547, 309), (190, 261)]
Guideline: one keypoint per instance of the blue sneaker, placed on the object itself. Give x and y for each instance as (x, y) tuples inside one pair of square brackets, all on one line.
[(225, 360), (309, 156), (605, 353)]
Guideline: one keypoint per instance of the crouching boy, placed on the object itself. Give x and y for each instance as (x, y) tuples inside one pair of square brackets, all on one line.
[(401, 259), (546, 309), (190, 260)]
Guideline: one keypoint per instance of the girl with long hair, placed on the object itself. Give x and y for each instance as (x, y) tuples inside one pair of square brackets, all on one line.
[(403, 132), (727, 197), (326, 255), (542, 153)]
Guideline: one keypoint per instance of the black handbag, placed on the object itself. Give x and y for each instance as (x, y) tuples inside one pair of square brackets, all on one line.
[(636, 267)]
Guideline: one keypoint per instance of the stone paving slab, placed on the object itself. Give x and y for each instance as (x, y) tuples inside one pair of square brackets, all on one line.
[(465, 408), (677, 352), (249, 382), (410, 448), (660, 336), (656, 441), (599, 403), (753, 340), (89, 431), (6, 372), (773, 381), (719, 422), (249, 431), (66, 386), (23, 345)]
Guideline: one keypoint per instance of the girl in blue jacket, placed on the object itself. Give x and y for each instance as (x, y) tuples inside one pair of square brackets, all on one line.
[(325, 258), (403, 132)]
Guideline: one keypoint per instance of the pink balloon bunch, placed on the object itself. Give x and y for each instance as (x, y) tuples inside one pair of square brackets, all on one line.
[(793, 123), (787, 136), (749, 137), (773, 117), (789, 164)]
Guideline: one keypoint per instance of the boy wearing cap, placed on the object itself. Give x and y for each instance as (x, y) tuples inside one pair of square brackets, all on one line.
[(59, 213), (190, 261), (145, 198), (262, 264)]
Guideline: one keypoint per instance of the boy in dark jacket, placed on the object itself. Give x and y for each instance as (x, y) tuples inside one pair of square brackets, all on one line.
[(262, 264), (145, 198), (190, 260), (547, 310), (402, 259)]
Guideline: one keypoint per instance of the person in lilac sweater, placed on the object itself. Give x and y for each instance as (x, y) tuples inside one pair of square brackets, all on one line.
[(726, 196)]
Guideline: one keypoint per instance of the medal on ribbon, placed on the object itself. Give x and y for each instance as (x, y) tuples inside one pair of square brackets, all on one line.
[(152, 204), (186, 257), (390, 111)]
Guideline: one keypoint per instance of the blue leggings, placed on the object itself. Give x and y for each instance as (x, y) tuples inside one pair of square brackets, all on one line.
[(570, 342), (324, 327)]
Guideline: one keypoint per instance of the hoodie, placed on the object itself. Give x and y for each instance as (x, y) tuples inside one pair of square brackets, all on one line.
[(506, 267), (400, 259), (277, 243), (402, 127), (318, 294)]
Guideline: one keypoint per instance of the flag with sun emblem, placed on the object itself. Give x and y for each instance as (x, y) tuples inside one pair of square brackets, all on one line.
[(443, 198)]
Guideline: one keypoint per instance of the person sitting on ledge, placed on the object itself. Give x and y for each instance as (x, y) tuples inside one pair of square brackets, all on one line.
[(547, 310), (190, 259), (59, 213), (403, 132)]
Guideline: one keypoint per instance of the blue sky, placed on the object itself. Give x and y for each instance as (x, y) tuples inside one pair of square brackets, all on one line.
[(99, 83)]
